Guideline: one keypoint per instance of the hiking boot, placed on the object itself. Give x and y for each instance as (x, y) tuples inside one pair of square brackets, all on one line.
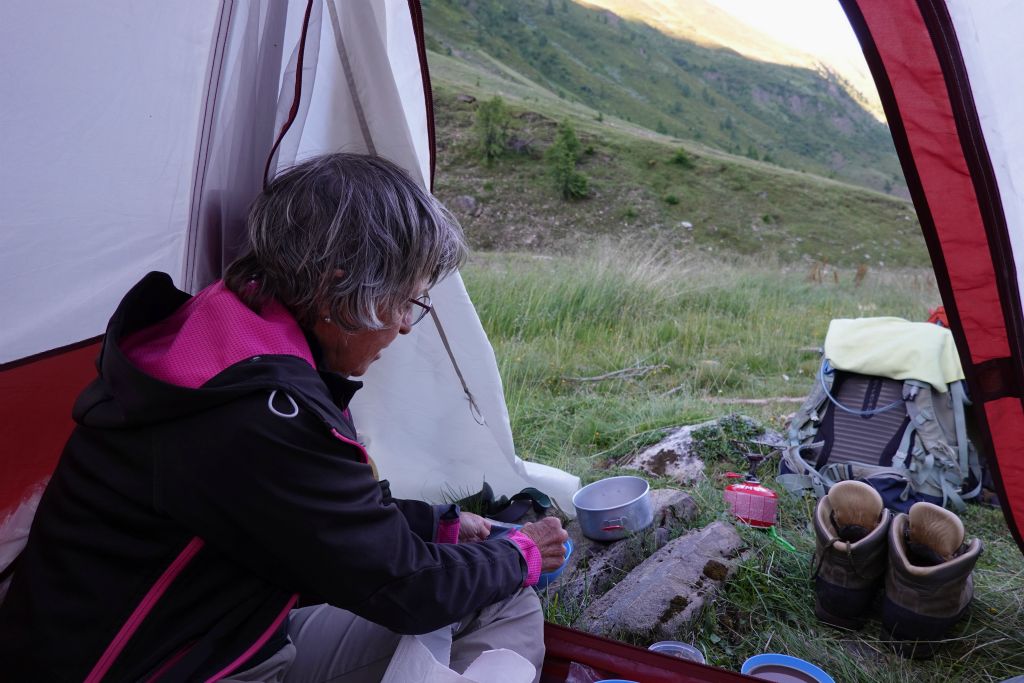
[(928, 586), (850, 525)]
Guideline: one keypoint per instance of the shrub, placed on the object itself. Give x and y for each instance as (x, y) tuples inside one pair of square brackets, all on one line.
[(562, 157), (671, 199), (682, 158), (492, 121)]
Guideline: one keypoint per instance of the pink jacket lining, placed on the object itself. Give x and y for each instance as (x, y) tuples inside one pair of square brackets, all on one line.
[(178, 349)]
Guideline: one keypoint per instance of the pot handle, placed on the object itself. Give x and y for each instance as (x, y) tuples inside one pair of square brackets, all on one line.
[(616, 524)]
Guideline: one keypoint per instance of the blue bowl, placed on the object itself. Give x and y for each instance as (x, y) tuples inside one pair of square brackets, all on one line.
[(548, 577), (813, 673)]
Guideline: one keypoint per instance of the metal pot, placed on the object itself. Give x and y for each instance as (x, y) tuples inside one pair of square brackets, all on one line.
[(613, 508)]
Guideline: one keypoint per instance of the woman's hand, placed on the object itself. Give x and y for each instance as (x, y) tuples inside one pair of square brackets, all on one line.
[(473, 528), (550, 537)]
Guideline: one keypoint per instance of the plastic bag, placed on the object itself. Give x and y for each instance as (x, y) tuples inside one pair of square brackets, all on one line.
[(414, 663), (581, 673)]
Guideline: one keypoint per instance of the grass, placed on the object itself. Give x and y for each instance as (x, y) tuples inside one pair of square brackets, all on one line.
[(717, 330)]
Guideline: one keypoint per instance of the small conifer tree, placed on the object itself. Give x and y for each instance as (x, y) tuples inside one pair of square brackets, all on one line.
[(562, 157), (492, 121)]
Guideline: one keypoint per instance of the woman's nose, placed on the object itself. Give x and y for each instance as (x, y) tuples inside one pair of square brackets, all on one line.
[(404, 328)]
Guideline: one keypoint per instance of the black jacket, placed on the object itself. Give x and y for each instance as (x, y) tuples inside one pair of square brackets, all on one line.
[(180, 524)]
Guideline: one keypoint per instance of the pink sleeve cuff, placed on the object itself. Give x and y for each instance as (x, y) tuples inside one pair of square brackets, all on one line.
[(448, 530), (532, 554)]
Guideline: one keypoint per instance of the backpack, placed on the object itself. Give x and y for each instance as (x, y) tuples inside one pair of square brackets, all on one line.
[(878, 421)]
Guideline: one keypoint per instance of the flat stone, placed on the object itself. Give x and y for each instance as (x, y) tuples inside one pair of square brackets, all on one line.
[(663, 596), (596, 566)]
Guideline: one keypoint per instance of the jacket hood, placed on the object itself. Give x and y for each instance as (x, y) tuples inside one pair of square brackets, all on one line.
[(166, 354)]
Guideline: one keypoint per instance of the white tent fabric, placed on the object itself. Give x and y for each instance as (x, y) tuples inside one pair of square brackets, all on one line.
[(97, 155), (142, 151), (412, 413), (989, 37)]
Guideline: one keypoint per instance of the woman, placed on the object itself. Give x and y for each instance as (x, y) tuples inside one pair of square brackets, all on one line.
[(214, 477)]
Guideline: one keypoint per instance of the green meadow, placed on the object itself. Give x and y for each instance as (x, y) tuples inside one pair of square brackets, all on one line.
[(695, 336)]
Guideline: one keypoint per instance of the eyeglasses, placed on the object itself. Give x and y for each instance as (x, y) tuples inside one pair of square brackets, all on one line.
[(418, 311)]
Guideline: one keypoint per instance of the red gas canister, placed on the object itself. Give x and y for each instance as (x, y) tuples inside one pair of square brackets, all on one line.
[(750, 502)]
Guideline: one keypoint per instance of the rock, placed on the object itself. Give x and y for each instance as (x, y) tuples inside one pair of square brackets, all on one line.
[(465, 98), (672, 507), (674, 455), (596, 566), (520, 145), (662, 597), (466, 204), (686, 225)]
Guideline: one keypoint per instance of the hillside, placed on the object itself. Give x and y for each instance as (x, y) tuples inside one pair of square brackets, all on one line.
[(705, 23), (642, 190), (793, 117)]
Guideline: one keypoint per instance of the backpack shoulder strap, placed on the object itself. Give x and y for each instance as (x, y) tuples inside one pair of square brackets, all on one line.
[(804, 425)]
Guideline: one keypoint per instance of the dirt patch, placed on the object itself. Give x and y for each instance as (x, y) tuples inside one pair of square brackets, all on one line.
[(715, 570), (675, 606), (660, 461)]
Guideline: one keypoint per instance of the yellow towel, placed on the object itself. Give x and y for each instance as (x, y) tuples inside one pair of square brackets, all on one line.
[(894, 347)]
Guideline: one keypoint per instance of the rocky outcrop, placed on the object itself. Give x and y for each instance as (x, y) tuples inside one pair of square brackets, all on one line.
[(596, 566), (663, 596)]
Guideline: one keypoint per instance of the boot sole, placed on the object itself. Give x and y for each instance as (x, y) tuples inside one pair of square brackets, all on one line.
[(899, 632)]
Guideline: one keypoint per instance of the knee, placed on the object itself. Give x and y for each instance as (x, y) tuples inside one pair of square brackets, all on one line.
[(527, 603)]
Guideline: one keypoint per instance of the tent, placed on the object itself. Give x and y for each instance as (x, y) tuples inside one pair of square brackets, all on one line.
[(948, 76), (135, 139), (136, 135)]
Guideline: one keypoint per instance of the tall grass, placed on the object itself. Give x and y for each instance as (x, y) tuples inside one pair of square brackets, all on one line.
[(706, 331)]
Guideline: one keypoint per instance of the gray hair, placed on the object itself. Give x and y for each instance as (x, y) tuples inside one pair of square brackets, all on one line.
[(359, 214)]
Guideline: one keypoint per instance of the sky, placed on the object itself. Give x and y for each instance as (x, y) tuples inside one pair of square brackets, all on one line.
[(819, 27)]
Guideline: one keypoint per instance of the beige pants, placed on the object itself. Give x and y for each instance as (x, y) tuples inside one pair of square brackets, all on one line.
[(330, 644)]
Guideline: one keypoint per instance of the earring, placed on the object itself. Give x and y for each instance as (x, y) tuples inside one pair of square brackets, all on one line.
[(327, 318)]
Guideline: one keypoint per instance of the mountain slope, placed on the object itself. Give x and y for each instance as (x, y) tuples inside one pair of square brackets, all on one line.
[(704, 23), (642, 190), (784, 115)]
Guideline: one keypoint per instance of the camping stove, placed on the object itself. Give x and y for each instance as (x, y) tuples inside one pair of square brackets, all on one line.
[(749, 501)]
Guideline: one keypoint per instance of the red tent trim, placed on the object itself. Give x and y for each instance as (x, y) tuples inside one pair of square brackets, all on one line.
[(36, 396), (917, 66), (975, 150)]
